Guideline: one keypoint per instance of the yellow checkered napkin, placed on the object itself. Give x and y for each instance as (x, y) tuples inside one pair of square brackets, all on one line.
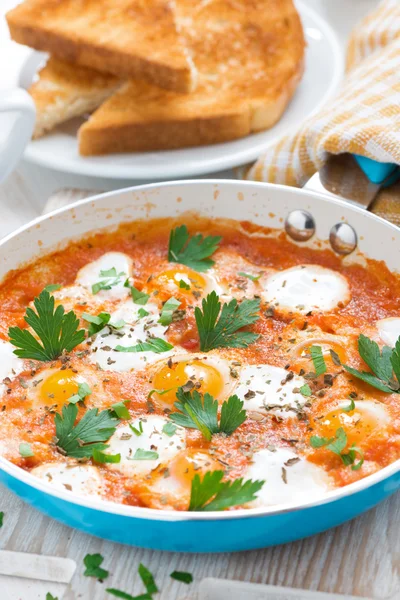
[(364, 118)]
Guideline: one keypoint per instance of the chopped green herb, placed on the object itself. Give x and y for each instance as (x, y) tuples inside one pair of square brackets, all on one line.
[(382, 365), (183, 285), (96, 323), (248, 276), (169, 429), (1, 518), (157, 345), (201, 412), (50, 596), (81, 439), (167, 311), (148, 579), (141, 454), (120, 410), (142, 313), (137, 296), (83, 391), (350, 407), (125, 596), (52, 287), (112, 278), (318, 360), (103, 457), (25, 450), (159, 392), (182, 576), (305, 390), (92, 563), (211, 493), (220, 328), (337, 445), (139, 431), (58, 332), (194, 252)]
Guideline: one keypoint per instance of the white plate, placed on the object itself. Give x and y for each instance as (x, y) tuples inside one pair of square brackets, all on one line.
[(324, 70)]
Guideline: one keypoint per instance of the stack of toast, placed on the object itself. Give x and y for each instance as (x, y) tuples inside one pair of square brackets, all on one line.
[(161, 74)]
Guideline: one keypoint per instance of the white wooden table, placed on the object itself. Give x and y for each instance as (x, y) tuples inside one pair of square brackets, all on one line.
[(360, 558)]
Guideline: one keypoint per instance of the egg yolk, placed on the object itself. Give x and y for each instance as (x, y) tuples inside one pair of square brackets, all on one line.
[(58, 387), (187, 464), (206, 376), (358, 424), (180, 280), (303, 355)]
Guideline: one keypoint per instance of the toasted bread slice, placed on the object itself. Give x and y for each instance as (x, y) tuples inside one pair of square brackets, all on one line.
[(64, 91), (128, 38), (249, 55)]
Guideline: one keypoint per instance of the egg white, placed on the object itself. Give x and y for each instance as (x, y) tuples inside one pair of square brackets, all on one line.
[(265, 382), (82, 480), (136, 328), (90, 274), (306, 288), (125, 442), (304, 480), (10, 364), (389, 330)]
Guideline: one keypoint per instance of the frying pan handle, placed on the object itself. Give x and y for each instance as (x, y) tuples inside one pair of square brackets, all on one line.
[(17, 120)]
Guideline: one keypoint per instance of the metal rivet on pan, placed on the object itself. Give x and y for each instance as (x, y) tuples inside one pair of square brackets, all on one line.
[(343, 238), (300, 225)]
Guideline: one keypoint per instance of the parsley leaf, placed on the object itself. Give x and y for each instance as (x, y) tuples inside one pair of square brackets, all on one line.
[(103, 458), (92, 563), (148, 579), (382, 365), (169, 429), (141, 454), (50, 596), (192, 251), (125, 596), (142, 313), (167, 311), (157, 345), (81, 439), (350, 407), (96, 323), (337, 445), (1, 518), (305, 390), (112, 278), (25, 450), (249, 276), (182, 576), (201, 412), (83, 391), (223, 332), (52, 287), (211, 493), (137, 296), (57, 331), (318, 360), (120, 410)]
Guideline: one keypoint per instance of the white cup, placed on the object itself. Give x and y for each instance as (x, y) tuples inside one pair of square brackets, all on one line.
[(17, 120)]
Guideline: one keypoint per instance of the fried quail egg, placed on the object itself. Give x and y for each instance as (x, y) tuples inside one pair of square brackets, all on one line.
[(306, 288), (288, 478), (137, 327), (265, 388), (82, 480), (145, 435)]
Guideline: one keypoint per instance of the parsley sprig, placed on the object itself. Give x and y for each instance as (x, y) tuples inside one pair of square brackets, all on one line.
[(201, 412), (80, 440), (220, 328), (192, 251), (382, 364), (211, 493), (336, 445), (56, 330)]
